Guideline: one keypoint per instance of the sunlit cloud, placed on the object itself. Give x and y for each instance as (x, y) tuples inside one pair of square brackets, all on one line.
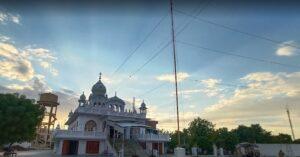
[(14, 65), (43, 56), (286, 49), (263, 101), (181, 76)]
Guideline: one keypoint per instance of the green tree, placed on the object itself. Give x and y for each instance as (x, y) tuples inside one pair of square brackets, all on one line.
[(201, 134), (297, 141), (282, 138), (253, 134), (184, 138), (225, 139), (19, 118)]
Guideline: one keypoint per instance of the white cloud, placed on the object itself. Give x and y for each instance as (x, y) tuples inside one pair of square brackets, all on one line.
[(6, 17), (4, 38), (262, 101), (14, 65), (18, 87), (44, 57), (211, 87), (190, 91), (210, 83), (285, 49), (181, 76)]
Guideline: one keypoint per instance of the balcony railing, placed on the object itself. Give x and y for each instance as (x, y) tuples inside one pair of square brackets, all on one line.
[(69, 134), (153, 137), (97, 110)]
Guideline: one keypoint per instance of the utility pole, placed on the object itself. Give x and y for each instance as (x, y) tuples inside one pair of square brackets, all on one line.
[(175, 70), (290, 121)]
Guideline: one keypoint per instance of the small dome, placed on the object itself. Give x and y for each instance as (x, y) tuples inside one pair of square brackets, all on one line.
[(82, 96), (99, 88), (116, 99), (143, 105)]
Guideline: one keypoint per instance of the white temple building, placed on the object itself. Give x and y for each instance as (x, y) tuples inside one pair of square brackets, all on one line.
[(101, 125)]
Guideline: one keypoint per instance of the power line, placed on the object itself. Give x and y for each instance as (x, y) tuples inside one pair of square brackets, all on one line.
[(140, 44), (238, 55), (168, 43), (150, 59), (223, 84), (235, 29), (153, 89)]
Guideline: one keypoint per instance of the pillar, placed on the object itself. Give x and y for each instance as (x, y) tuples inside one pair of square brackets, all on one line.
[(179, 152), (215, 150), (127, 133), (81, 147), (102, 146), (60, 146), (221, 152)]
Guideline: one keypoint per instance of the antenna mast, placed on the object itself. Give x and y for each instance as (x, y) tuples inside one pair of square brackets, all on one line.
[(175, 70), (291, 125)]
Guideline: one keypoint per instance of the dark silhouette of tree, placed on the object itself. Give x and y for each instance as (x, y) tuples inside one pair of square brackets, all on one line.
[(201, 134), (282, 138), (253, 134), (19, 118), (225, 139)]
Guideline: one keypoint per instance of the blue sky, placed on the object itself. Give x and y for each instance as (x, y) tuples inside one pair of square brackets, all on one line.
[(80, 42)]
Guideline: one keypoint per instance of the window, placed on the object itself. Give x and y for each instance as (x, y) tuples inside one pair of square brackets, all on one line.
[(90, 126)]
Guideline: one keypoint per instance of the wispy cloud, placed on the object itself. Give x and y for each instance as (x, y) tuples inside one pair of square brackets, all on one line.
[(4, 38), (6, 17), (14, 65), (181, 76), (286, 49), (211, 87), (43, 56), (261, 101)]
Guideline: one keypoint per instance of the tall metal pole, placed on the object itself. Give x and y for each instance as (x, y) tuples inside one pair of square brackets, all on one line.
[(175, 70), (291, 125)]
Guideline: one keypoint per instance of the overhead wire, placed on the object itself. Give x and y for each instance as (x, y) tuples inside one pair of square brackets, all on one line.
[(235, 29), (139, 45), (168, 43), (238, 55)]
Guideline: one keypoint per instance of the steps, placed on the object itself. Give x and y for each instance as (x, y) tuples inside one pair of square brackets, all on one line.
[(131, 148)]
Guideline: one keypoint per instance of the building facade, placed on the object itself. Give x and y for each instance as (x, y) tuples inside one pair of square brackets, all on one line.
[(102, 125)]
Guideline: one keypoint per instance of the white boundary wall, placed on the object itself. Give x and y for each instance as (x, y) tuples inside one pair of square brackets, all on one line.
[(271, 150)]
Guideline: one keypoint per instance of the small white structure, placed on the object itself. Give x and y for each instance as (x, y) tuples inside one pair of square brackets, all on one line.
[(272, 150), (100, 125), (194, 151), (215, 150), (179, 152), (221, 152)]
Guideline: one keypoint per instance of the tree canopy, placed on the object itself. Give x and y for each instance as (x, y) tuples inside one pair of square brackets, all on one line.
[(19, 118), (202, 133)]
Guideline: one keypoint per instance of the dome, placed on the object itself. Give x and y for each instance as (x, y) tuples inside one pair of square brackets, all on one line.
[(143, 105), (116, 99), (99, 88)]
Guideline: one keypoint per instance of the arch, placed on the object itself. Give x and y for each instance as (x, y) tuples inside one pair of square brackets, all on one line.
[(90, 126), (117, 107)]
